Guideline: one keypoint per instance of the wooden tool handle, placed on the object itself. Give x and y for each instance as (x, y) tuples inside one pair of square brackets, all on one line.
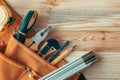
[(51, 58), (59, 58), (63, 55), (28, 21), (33, 19), (52, 50)]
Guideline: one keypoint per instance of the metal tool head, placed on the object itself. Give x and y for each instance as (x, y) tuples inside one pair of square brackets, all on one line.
[(41, 35), (26, 25)]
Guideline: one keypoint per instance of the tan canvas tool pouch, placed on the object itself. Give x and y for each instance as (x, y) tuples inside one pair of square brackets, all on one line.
[(9, 23), (19, 62), (12, 70), (20, 53)]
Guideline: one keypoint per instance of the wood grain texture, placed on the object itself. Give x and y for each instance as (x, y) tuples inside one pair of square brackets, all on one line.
[(107, 68), (69, 12), (91, 24), (101, 41)]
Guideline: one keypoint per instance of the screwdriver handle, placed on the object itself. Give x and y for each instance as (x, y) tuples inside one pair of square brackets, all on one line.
[(63, 55), (27, 23), (51, 58)]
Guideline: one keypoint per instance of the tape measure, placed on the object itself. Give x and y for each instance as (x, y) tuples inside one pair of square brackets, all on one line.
[(5, 17)]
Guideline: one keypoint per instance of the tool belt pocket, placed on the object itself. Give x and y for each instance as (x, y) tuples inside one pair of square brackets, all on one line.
[(22, 54), (11, 70)]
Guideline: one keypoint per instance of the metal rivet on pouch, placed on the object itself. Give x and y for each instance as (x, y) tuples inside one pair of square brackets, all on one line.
[(25, 68), (14, 31), (30, 70), (30, 76)]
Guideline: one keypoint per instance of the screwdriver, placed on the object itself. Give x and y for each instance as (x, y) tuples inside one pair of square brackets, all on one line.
[(63, 55), (51, 58), (26, 25)]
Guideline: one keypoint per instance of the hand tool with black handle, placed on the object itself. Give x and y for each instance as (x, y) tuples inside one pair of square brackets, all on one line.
[(62, 55), (27, 24), (58, 51)]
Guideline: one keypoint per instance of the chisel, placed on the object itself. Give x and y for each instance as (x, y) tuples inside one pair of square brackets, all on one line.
[(51, 58), (50, 46), (62, 55)]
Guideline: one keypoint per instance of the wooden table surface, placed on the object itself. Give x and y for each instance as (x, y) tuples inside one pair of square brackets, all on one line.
[(91, 24)]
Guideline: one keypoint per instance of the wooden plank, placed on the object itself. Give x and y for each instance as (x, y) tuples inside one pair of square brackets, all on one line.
[(100, 41), (61, 12), (107, 68), (89, 40), (91, 24)]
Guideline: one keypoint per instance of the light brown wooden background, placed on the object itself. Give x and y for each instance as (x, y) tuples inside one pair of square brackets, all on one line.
[(91, 24)]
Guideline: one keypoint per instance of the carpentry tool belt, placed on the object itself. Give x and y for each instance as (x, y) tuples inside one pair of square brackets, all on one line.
[(20, 63)]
